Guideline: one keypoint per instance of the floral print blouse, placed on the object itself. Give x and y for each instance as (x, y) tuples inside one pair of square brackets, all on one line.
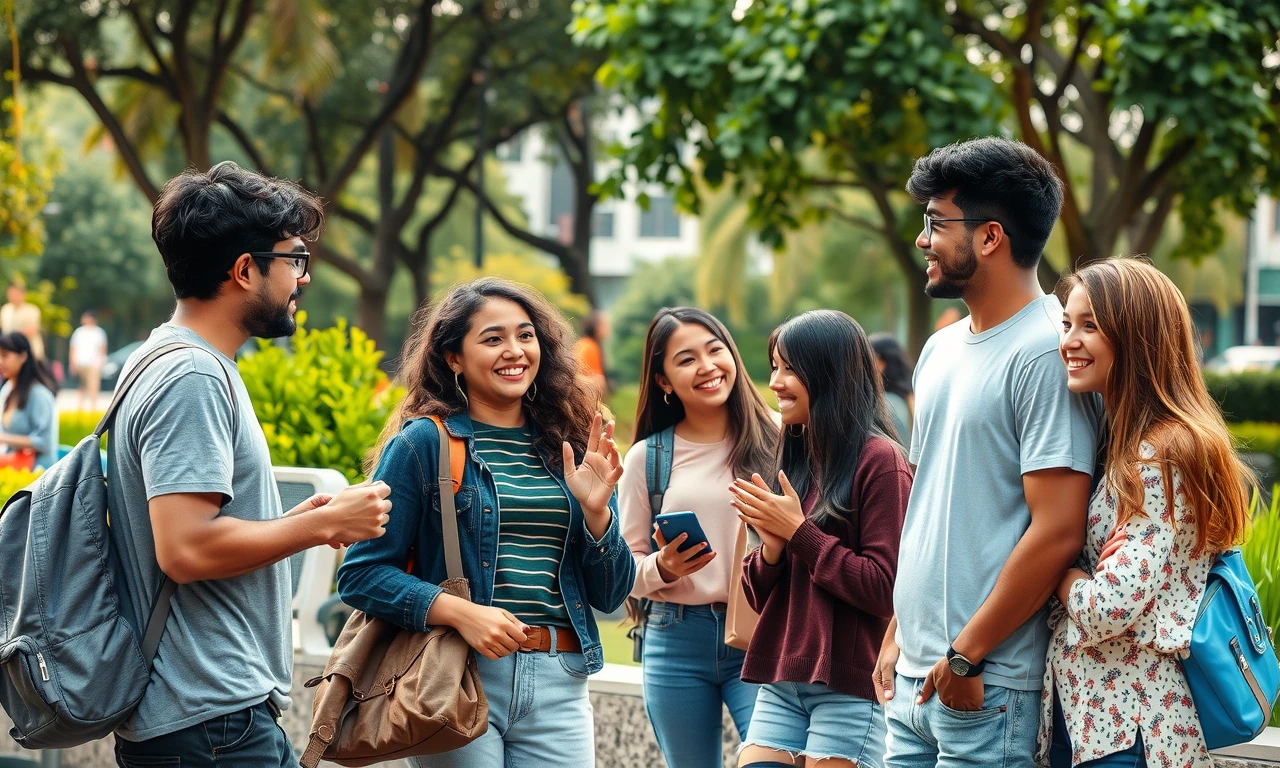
[(1114, 657)]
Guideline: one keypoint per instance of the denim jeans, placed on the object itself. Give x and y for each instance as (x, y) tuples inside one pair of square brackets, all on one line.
[(689, 674), (818, 722), (539, 715), (249, 738), (1060, 748), (1002, 733)]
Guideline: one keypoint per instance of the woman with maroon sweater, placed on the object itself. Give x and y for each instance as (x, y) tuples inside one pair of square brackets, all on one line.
[(822, 578)]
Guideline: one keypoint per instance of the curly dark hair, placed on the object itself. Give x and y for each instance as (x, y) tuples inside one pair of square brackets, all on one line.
[(565, 404)]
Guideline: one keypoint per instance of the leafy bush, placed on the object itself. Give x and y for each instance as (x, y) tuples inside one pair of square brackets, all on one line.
[(1262, 557), (323, 403), (1247, 396), (74, 426), (13, 480)]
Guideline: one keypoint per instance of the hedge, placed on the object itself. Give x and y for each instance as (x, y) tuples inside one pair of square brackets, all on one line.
[(1246, 397)]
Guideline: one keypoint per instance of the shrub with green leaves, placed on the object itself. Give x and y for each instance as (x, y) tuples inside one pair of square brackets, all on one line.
[(1247, 396), (13, 480), (1262, 557), (323, 402), (74, 426)]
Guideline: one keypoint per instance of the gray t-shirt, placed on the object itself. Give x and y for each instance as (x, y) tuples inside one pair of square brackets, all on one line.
[(990, 407), (228, 643)]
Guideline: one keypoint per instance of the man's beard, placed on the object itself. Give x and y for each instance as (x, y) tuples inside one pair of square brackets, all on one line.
[(267, 320), (954, 279)]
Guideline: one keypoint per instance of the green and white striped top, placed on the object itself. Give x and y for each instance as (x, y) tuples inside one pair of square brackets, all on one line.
[(533, 523)]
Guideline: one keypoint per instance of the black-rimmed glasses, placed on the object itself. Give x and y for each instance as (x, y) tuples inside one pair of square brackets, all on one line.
[(929, 221), (298, 261)]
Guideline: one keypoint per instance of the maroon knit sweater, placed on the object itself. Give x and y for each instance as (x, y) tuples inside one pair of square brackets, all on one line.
[(825, 606)]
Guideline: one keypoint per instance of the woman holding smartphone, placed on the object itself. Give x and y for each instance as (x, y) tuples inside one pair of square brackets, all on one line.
[(1174, 494), (829, 525), (540, 543), (693, 380)]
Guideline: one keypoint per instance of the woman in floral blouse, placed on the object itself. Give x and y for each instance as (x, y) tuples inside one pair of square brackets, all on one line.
[(1174, 494)]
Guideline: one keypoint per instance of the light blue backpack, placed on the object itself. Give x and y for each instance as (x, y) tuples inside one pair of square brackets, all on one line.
[(1232, 669)]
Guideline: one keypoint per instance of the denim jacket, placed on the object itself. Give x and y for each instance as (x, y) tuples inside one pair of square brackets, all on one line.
[(593, 574)]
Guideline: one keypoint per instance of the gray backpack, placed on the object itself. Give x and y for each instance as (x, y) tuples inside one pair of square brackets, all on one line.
[(72, 666)]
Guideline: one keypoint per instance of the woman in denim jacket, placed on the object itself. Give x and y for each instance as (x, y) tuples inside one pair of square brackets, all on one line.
[(536, 519)]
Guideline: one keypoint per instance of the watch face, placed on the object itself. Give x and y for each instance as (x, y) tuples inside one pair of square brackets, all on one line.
[(959, 666)]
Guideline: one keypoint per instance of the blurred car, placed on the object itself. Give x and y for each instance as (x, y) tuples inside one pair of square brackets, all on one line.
[(1237, 359), (115, 361)]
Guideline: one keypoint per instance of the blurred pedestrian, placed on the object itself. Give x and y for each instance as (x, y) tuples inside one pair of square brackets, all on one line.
[(23, 317), (30, 420), (590, 350), (895, 373), (88, 355)]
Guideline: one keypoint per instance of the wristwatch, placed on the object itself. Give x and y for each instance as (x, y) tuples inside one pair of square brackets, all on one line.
[(962, 667)]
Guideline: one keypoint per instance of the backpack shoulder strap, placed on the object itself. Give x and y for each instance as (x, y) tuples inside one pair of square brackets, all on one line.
[(457, 454), (659, 453), (448, 513)]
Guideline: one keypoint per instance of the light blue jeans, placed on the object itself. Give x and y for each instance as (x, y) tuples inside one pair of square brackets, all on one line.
[(1002, 733), (539, 715), (688, 674), (818, 722)]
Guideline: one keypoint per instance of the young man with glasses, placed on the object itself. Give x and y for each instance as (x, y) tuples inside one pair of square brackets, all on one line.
[(1004, 455), (192, 496)]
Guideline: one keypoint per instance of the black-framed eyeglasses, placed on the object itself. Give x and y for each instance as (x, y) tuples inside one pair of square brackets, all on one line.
[(298, 261), (929, 221)]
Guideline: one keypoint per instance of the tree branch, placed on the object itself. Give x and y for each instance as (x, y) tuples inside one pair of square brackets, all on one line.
[(314, 145), (355, 217), (343, 263), (1157, 175), (222, 53), (853, 220), (409, 66), (246, 143), (544, 244), (148, 40)]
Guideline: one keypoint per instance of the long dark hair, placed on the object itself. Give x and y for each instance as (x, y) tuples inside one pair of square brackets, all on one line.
[(751, 426), (896, 376), (564, 405), (33, 371), (832, 357)]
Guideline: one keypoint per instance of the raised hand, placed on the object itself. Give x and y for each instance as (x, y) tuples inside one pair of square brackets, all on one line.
[(592, 481)]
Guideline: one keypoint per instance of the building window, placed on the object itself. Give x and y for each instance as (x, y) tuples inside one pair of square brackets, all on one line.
[(661, 219), (509, 151), (562, 192), (602, 224)]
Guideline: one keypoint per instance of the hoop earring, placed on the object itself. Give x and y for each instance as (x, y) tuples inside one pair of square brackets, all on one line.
[(458, 384), (666, 398), (532, 393), (795, 434)]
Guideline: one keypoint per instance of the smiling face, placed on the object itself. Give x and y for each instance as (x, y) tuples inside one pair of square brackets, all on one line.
[(793, 398), (697, 368), (269, 313), (1087, 353), (498, 358), (948, 250)]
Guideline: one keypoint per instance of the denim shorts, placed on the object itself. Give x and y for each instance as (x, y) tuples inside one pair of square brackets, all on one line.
[(817, 722)]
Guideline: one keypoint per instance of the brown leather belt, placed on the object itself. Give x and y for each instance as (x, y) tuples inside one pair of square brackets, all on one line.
[(539, 639)]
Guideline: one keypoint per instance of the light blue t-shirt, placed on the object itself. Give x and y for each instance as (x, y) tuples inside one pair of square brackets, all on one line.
[(990, 407), (228, 643)]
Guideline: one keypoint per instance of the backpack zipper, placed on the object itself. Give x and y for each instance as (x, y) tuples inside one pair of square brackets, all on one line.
[(44, 671)]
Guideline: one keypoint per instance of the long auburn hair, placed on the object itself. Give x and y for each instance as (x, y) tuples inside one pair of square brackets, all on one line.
[(831, 355), (751, 426), (565, 403), (1156, 395), (33, 371)]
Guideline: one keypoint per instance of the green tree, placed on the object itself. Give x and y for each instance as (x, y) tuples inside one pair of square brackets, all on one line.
[(1145, 108), (24, 184), (799, 103)]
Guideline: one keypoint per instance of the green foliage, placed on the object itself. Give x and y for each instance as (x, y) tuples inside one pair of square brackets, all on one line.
[(13, 480), (1262, 557), (324, 402), (754, 87), (1246, 396), (74, 426)]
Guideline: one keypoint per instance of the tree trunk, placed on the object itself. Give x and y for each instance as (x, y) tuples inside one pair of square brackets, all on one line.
[(919, 316), (371, 312)]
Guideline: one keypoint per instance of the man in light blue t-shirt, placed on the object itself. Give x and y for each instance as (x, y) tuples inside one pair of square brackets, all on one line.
[(192, 497), (1004, 455)]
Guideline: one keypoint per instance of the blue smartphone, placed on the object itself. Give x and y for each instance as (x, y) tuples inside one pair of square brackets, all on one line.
[(672, 524)]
